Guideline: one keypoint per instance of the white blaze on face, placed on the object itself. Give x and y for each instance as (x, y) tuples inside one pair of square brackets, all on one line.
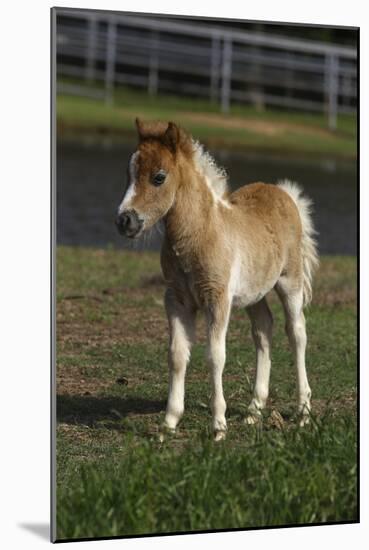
[(131, 190)]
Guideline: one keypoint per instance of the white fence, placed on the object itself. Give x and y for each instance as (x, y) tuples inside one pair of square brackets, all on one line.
[(176, 56)]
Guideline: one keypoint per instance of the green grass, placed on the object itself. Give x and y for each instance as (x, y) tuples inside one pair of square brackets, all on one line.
[(243, 128), (113, 475)]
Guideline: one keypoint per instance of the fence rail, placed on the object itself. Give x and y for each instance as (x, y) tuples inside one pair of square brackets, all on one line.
[(210, 61)]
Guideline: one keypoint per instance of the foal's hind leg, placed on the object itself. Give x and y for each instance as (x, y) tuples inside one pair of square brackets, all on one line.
[(291, 296), (261, 327)]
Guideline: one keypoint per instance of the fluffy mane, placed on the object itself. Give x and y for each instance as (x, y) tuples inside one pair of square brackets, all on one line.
[(215, 175)]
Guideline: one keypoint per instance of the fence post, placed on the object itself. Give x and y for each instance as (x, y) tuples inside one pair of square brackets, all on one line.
[(214, 67), (332, 89), (91, 48), (153, 80), (256, 88), (226, 75), (111, 46), (346, 90)]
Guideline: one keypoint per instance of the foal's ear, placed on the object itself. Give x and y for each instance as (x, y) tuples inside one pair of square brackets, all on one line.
[(171, 137), (139, 127)]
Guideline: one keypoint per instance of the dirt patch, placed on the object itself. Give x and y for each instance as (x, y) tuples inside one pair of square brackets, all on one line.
[(100, 321), (77, 432), (347, 402), (264, 127), (267, 128), (84, 380)]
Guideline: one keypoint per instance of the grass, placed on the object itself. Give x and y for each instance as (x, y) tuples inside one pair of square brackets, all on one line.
[(113, 475), (244, 128)]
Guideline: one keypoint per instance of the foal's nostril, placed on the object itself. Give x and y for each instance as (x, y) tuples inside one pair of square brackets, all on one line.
[(132, 220), (128, 223), (119, 221)]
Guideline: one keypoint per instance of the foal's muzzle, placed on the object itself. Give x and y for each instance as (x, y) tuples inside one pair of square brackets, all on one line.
[(128, 223)]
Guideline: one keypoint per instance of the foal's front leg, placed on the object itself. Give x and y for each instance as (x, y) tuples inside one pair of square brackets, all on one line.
[(216, 353), (182, 332)]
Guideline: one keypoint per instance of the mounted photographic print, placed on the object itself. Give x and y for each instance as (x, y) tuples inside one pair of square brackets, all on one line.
[(204, 216)]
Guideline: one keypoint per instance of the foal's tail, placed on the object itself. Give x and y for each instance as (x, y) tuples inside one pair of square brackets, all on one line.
[(308, 243)]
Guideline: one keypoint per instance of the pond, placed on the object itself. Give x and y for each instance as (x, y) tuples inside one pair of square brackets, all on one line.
[(91, 180)]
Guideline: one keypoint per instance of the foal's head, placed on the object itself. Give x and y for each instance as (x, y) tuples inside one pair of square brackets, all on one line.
[(152, 175)]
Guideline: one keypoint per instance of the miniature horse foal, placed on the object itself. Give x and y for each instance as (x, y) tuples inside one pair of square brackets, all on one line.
[(220, 249)]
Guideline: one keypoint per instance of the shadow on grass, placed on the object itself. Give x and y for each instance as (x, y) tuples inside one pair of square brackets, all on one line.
[(87, 410)]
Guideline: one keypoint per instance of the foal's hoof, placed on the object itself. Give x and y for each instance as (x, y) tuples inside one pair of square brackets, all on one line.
[(303, 415), (253, 419), (304, 420), (165, 431), (219, 435)]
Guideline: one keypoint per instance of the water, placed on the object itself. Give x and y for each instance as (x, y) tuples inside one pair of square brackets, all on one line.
[(91, 179)]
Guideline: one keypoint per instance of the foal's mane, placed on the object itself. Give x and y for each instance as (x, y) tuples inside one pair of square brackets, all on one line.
[(214, 175), (174, 136)]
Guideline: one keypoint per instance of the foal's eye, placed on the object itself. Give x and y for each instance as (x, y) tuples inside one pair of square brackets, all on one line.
[(159, 178)]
